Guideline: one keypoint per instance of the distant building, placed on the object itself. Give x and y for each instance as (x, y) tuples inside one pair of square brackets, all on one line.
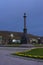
[(32, 40)]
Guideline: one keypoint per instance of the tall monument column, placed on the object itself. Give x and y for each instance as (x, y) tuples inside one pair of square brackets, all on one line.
[(24, 36), (25, 29)]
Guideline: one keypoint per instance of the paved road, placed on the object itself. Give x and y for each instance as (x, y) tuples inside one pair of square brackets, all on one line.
[(7, 59)]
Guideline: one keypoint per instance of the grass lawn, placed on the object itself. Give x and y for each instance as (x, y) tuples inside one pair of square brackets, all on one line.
[(38, 45), (38, 52), (34, 53)]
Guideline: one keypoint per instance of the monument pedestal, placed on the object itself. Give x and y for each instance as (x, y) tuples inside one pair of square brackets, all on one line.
[(24, 39)]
